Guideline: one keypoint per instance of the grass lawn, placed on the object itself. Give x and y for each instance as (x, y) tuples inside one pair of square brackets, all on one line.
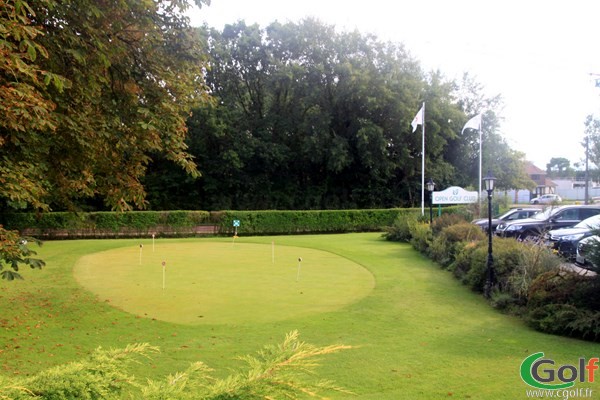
[(417, 332), (221, 283)]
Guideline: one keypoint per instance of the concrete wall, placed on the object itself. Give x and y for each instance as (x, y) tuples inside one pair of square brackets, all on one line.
[(567, 189)]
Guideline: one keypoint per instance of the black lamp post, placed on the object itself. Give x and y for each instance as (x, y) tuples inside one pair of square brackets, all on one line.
[(490, 278), (430, 188)]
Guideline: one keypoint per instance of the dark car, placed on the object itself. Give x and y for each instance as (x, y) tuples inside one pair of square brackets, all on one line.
[(550, 218), (510, 215), (585, 248), (564, 240)]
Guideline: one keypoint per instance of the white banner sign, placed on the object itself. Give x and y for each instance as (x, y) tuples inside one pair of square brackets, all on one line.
[(454, 195)]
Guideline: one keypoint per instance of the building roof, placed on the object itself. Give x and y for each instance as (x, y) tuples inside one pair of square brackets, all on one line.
[(531, 169), (550, 183), (538, 175)]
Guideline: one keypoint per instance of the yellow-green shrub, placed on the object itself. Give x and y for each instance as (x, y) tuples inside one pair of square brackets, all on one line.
[(451, 239)]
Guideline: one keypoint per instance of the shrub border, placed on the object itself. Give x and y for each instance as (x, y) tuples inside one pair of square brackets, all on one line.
[(181, 223)]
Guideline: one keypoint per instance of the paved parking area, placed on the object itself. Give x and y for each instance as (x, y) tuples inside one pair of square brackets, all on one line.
[(581, 271)]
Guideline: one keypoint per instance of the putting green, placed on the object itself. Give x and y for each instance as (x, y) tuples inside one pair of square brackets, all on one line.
[(222, 283)]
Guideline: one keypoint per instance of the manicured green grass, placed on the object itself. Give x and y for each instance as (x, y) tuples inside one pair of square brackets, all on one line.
[(418, 333), (206, 282)]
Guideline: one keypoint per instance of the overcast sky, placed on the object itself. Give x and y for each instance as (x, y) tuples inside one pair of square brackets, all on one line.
[(537, 54)]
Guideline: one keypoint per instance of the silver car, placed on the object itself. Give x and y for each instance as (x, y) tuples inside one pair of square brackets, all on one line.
[(546, 199)]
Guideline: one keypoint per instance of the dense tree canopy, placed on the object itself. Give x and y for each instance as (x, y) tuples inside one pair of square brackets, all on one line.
[(90, 90), (591, 147), (303, 116), (308, 117), (592, 133), (559, 167), (96, 99)]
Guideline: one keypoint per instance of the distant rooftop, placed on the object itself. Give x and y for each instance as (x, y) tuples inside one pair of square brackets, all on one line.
[(531, 169)]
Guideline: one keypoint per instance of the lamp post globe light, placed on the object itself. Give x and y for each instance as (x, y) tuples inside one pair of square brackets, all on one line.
[(489, 181), (430, 188)]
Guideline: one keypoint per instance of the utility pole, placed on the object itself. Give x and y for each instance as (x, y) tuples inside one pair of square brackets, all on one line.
[(587, 173), (596, 78)]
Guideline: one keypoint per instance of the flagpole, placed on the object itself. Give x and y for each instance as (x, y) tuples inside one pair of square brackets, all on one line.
[(423, 164), (479, 196), (471, 125)]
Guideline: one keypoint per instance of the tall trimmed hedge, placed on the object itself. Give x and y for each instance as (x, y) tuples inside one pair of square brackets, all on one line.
[(56, 225), (314, 221)]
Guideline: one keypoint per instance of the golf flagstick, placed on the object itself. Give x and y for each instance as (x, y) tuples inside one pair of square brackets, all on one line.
[(164, 264), (299, 266)]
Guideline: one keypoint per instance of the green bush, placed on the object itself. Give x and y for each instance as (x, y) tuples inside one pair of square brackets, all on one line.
[(461, 264), (284, 222), (552, 318), (102, 376), (462, 232), (107, 224), (451, 240), (283, 371), (507, 255), (183, 223), (446, 220), (476, 272), (500, 204), (592, 249), (440, 250), (55, 220), (421, 237), (567, 320), (565, 303), (562, 286), (103, 220), (585, 325), (516, 265), (556, 287), (528, 280), (400, 230), (536, 260), (504, 301)]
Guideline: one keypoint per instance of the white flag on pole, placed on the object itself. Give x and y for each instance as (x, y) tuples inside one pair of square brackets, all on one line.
[(418, 120), (473, 123)]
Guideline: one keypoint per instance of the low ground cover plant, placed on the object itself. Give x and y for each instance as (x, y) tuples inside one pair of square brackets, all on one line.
[(282, 371)]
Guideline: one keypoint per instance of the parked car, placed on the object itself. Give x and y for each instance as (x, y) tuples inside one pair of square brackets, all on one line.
[(510, 215), (550, 218), (546, 199), (564, 240), (584, 248)]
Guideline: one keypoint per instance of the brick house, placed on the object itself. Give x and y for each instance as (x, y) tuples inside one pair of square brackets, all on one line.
[(543, 184)]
